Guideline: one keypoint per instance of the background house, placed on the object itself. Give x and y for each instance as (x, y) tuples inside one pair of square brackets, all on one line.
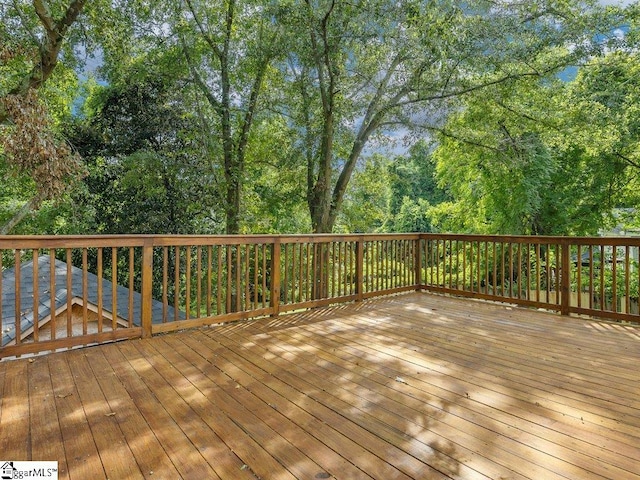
[(57, 305)]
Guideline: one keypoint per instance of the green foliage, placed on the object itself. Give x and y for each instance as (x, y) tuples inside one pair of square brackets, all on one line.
[(364, 209), (543, 157), (261, 116), (54, 217), (413, 191), (145, 163), (273, 195)]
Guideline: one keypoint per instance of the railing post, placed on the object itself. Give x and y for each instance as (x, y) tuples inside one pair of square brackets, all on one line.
[(418, 263), (359, 269), (565, 279), (275, 277), (147, 284)]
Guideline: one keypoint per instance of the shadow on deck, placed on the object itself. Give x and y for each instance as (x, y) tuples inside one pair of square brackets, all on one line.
[(412, 386)]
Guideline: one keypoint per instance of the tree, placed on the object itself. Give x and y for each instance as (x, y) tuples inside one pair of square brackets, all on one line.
[(229, 49), (541, 158), (603, 110), (144, 161), (364, 208), (273, 195), (31, 41), (362, 69), (413, 190)]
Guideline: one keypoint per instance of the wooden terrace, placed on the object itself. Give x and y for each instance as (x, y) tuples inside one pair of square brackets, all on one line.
[(414, 385)]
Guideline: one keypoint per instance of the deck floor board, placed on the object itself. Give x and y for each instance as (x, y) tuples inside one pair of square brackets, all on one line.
[(414, 386)]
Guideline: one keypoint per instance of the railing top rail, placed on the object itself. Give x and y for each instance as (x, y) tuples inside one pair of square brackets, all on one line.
[(131, 240), (541, 239), (71, 241)]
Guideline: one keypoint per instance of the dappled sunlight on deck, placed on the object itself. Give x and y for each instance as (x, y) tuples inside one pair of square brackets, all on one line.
[(411, 386)]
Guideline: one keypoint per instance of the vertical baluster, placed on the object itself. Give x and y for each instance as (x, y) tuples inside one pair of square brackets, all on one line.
[(52, 301), (286, 253), (602, 273), (176, 280), (627, 266), (437, 260), (300, 281), (478, 267), (511, 269), (100, 289), (295, 282), (69, 292), (219, 278), (17, 299), (494, 283), (464, 265), (559, 272), (36, 288), (538, 272), (247, 263), (85, 288), (264, 277), (187, 293), (457, 249), (333, 269), (165, 283), (519, 270), (238, 279), (256, 256), (131, 286), (579, 274), (486, 266), (114, 288), (378, 266), (309, 275), (591, 286), (614, 280), (209, 279), (229, 270), (198, 280)]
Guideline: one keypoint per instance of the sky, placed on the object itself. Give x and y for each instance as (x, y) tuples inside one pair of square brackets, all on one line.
[(617, 2), (624, 3)]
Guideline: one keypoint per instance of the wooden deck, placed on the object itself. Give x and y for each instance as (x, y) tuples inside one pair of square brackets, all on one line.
[(412, 386)]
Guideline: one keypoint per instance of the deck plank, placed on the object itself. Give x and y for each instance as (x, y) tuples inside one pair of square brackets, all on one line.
[(414, 386), (116, 456), (14, 417), (253, 414), (81, 454), (340, 435), (165, 412), (249, 450), (517, 462), (149, 453), (385, 424), (547, 462), (46, 435)]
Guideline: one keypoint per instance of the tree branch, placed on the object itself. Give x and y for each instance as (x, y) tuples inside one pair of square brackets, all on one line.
[(203, 32), (50, 47), (44, 14), (627, 160), (213, 101), (22, 212), (458, 138)]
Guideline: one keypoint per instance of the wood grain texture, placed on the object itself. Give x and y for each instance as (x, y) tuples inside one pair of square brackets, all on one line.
[(414, 386)]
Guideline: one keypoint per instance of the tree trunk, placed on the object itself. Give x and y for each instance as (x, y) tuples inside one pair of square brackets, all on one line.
[(233, 206), (25, 210)]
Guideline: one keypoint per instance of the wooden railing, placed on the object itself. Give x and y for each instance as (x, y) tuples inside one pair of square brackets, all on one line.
[(594, 276), (83, 290)]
